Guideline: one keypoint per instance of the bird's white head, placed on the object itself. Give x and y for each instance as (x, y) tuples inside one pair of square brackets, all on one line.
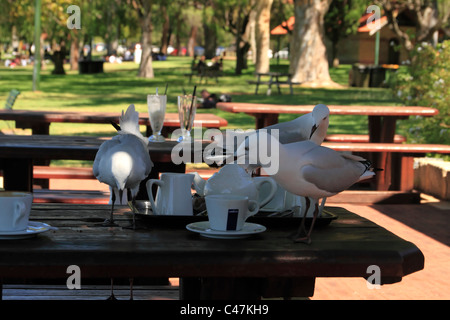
[(321, 118)]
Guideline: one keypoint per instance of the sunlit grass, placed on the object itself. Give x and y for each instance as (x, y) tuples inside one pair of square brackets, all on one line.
[(119, 86)]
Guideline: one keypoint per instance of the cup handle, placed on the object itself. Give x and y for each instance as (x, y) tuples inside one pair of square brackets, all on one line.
[(149, 185), (18, 212), (273, 188), (250, 213)]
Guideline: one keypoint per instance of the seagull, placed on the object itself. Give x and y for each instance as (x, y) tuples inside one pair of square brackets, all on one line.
[(311, 126), (124, 161), (311, 171)]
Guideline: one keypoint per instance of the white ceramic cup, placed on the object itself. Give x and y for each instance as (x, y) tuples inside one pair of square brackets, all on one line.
[(15, 210), (228, 212)]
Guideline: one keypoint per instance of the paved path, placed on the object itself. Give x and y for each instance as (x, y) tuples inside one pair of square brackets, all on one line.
[(427, 226)]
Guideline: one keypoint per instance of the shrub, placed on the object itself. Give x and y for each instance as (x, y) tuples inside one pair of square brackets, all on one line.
[(426, 82)]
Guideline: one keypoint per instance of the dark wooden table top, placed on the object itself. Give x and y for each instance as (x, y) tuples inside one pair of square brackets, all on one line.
[(161, 246)]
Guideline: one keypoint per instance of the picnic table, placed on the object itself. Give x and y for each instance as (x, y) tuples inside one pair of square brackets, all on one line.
[(40, 121), (275, 78), (19, 152), (267, 264), (381, 129)]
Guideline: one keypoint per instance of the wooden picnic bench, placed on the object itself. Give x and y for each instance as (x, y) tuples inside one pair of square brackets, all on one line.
[(40, 121), (205, 72), (268, 264), (381, 130), (275, 78)]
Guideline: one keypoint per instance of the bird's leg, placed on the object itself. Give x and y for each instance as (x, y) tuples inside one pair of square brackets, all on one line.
[(110, 221), (316, 213), (133, 206), (301, 230)]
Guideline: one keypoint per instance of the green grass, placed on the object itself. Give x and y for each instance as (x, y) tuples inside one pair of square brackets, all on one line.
[(119, 86)]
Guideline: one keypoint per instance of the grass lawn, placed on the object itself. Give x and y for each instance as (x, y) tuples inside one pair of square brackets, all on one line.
[(119, 86)]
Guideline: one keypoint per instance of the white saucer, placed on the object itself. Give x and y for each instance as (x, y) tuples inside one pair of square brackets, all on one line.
[(203, 228), (33, 229)]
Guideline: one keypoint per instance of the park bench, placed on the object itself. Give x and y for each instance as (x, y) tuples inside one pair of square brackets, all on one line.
[(274, 78), (79, 196), (400, 176), (207, 72)]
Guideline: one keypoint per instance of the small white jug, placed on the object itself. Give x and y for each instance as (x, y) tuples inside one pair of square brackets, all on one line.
[(173, 196)]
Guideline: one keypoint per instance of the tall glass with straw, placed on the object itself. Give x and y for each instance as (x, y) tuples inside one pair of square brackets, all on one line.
[(187, 107), (156, 112)]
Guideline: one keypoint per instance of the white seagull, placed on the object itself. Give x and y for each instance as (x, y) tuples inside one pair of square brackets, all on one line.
[(124, 161), (309, 170), (311, 126)]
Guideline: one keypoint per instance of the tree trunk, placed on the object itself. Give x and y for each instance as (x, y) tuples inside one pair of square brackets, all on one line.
[(242, 43), (262, 35), (165, 30), (191, 41), (309, 63), (146, 67), (74, 53), (210, 40)]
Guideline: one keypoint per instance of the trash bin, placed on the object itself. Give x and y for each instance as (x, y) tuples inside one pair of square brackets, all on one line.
[(360, 75), (377, 76), (92, 66)]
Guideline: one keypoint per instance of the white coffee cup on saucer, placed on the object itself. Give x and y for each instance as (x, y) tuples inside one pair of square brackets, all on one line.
[(15, 208), (228, 212)]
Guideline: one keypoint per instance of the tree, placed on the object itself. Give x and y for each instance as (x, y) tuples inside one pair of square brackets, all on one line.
[(262, 35), (144, 10), (429, 16), (234, 16), (342, 20), (308, 62)]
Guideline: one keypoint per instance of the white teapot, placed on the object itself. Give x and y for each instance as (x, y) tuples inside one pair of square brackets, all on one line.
[(233, 179)]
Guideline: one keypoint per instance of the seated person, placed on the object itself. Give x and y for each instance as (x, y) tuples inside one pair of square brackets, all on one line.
[(209, 100)]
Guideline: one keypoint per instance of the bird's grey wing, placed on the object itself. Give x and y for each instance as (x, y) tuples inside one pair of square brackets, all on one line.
[(333, 179)]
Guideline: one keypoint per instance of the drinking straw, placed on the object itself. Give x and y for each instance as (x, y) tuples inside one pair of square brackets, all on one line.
[(193, 96), (165, 91), (156, 90)]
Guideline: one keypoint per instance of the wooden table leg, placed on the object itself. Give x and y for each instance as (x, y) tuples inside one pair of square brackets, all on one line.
[(382, 129), (18, 174), (264, 119)]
